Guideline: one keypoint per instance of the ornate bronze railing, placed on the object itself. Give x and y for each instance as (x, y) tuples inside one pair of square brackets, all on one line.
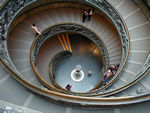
[(63, 28)]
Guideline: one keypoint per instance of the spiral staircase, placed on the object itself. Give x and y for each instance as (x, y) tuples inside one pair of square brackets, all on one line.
[(122, 37)]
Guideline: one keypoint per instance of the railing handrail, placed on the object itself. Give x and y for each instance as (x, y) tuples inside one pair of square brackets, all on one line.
[(59, 55), (36, 42)]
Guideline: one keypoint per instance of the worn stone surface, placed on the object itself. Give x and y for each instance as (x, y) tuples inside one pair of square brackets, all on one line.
[(145, 6)]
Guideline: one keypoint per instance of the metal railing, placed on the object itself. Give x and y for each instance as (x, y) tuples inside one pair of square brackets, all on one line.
[(12, 9), (63, 28)]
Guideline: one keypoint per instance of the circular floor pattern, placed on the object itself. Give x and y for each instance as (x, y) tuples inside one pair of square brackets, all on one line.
[(83, 53), (75, 77)]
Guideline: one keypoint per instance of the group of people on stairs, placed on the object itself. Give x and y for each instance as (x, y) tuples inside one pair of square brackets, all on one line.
[(110, 73), (88, 14)]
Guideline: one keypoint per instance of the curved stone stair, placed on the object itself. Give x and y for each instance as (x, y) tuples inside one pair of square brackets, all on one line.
[(139, 34), (139, 40), (22, 37)]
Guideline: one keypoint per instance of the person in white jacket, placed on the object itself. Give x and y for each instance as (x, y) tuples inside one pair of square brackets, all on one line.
[(35, 30), (90, 13), (89, 72)]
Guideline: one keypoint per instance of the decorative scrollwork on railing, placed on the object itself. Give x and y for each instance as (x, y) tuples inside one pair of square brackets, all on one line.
[(7, 15), (114, 16)]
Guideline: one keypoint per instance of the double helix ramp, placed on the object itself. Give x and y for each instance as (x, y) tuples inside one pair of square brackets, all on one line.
[(21, 38)]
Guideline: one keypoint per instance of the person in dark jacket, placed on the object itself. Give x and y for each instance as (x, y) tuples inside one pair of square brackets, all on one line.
[(84, 16)]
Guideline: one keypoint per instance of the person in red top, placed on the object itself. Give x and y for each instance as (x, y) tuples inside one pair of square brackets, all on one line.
[(108, 74), (68, 87)]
